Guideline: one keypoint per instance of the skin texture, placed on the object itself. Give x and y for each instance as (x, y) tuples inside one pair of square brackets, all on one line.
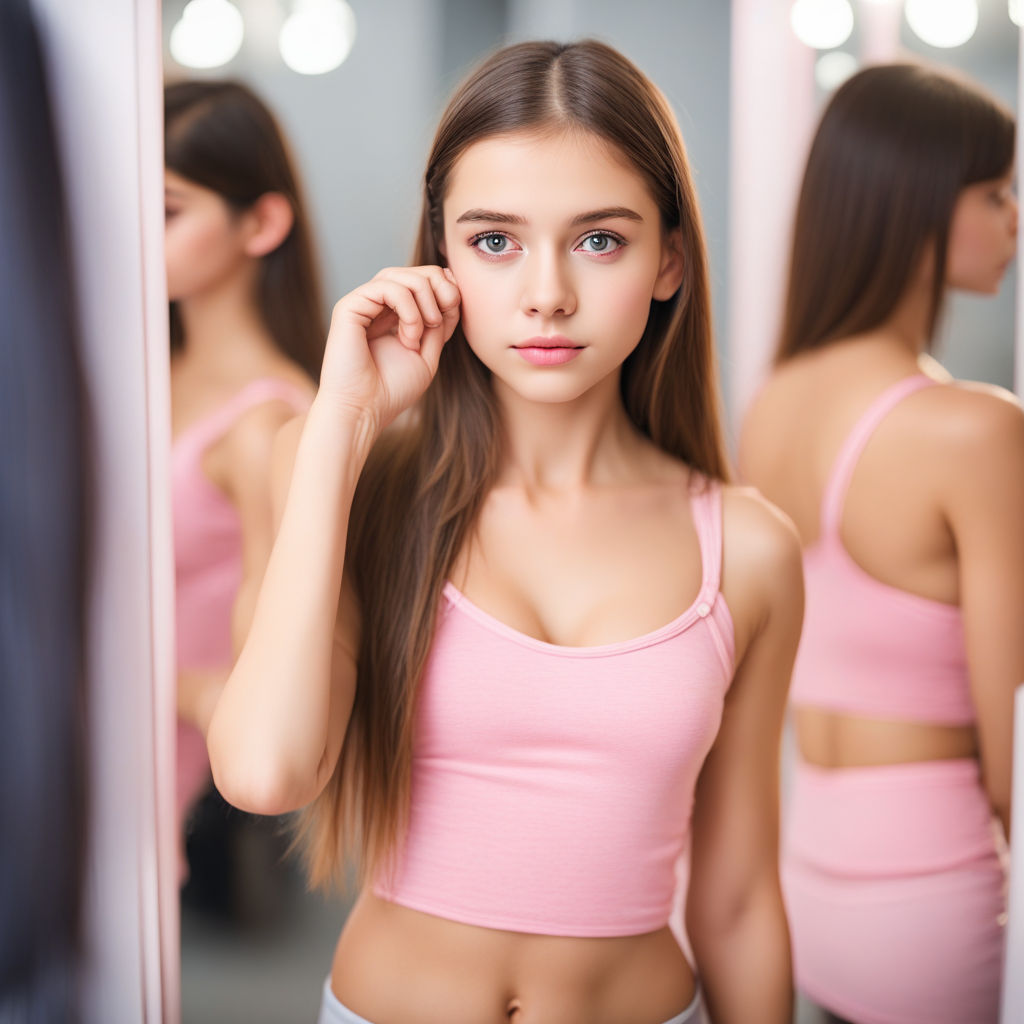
[(584, 507), (935, 502), (212, 255)]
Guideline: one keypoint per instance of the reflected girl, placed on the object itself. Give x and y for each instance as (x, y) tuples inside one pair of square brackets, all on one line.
[(246, 342), (509, 667), (907, 488)]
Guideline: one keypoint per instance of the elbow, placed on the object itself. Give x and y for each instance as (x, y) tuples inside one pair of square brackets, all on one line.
[(258, 783)]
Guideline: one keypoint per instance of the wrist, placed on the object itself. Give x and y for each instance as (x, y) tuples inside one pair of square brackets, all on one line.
[(344, 428)]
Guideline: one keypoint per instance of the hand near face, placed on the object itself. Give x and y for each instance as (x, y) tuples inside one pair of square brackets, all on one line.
[(385, 341)]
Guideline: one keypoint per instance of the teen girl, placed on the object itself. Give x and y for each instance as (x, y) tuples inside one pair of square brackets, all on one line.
[(907, 488), (246, 342), (498, 648)]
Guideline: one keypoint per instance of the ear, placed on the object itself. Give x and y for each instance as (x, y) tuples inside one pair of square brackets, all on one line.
[(670, 273), (271, 219)]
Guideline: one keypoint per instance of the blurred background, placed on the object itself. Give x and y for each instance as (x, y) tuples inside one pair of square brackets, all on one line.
[(358, 88)]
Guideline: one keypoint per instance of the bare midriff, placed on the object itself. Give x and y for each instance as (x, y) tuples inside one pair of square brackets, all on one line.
[(830, 739), (393, 964)]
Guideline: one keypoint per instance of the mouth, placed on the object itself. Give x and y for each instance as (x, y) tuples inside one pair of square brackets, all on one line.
[(548, 351)]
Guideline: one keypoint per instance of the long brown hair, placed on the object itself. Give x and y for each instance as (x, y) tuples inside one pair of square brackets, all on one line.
[(420, 494), (220, 135), (896, 145)]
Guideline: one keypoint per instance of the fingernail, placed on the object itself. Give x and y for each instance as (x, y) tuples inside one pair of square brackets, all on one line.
[(449, 275)]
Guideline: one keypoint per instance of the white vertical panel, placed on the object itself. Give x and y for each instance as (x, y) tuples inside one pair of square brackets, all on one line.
[(879, 25), (104, 68), (772, 120)]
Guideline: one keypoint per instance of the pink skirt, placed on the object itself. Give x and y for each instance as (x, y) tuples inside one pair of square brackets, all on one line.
[(895, 886)]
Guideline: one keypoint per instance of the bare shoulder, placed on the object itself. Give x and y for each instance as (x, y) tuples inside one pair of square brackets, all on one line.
[(971, 428), (756, 533), (762, 567)]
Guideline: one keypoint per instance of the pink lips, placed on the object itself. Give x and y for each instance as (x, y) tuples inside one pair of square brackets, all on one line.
[(548, 351)]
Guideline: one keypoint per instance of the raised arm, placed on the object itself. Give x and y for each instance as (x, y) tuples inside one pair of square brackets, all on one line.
[(983, 494), (277, 729), (735, 917)]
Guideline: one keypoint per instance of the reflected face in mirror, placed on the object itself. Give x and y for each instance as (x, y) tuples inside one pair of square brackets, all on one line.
[(557, 246), (204, 239), (983, 235)]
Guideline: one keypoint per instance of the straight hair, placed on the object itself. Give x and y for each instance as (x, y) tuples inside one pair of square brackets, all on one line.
[(220, 135), (895, 147), (423, 487)]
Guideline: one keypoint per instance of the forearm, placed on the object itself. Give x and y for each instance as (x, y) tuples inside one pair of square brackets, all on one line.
[(745, 968), (269, 730)]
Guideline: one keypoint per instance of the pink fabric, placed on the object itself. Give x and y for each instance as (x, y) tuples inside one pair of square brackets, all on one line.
[(868, 648), (208, 566), (552, 786), (894, 879)]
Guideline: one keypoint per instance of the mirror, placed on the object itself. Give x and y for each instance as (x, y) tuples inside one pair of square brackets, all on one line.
[(255, 946)]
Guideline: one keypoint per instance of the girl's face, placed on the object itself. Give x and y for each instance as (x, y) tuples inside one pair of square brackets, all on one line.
[(204, 240), (557, 247), (983, 235)]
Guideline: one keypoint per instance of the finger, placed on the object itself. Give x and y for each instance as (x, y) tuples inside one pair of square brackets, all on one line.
[(435, 339), (443, 282), (422, 289), (372, 299)]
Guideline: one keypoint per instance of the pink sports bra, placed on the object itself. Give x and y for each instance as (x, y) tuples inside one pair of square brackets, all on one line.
[(207, 531), (868, 648), (552, 786), (208, 566)]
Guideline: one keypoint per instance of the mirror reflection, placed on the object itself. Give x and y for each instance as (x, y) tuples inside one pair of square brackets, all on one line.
[(355, 139)]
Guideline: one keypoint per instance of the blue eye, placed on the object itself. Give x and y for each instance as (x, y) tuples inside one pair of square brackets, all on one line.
[(600, 243), (493, 244)]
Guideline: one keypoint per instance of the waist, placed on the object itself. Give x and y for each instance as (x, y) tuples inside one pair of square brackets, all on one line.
[(890, 820), (392, 961), (835, 739)]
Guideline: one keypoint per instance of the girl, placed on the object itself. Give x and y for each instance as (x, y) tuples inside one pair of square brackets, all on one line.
[(497, 648), (907, 488), (246, 340)]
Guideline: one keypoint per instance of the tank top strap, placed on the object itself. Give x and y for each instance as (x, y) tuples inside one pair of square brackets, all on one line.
[(217, 423), (856, 440), (706, 503)]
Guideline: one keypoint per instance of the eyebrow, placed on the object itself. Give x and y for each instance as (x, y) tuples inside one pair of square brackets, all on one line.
[(494, 217)]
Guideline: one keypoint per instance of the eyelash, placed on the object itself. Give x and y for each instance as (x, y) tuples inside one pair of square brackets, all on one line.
[(475, 241)]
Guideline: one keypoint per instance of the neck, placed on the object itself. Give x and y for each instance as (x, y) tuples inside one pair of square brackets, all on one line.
[(567, 446), (222, 327), (908, 325)]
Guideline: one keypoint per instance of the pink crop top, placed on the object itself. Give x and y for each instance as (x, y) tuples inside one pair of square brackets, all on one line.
[(552, 787), (868, 648)]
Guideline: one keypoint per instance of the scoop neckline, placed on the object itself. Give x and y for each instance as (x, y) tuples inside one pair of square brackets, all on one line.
[(699, 608)]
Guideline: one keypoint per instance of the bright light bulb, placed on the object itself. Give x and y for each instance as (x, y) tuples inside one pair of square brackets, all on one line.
[(943, 23), (1017, 12), (318, 36), (209, 34), (822, 24), (832, 69)]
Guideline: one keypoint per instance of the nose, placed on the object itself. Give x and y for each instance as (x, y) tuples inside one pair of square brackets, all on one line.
[(547, 286)]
